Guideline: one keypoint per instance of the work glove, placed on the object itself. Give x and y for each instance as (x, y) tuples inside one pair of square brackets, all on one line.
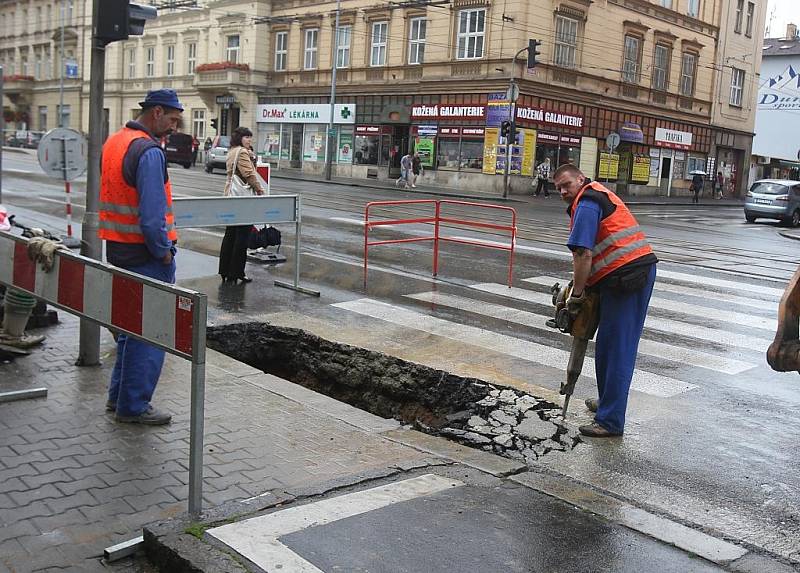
[(575, 303), (42, 251)]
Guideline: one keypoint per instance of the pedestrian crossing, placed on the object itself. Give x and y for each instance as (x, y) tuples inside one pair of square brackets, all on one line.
[(697, 341)]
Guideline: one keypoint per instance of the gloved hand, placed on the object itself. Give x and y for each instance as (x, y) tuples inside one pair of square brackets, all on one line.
[(42, 251), (575, 303)]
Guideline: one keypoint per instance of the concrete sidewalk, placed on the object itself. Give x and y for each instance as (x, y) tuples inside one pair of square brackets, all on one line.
[(75, 482)]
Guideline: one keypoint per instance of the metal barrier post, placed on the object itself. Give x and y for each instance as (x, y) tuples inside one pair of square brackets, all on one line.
[(197, 420), (438, 213)]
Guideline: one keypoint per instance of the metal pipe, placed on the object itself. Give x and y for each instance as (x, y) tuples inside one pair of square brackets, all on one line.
[(198, 396), (331, 128), (2, 130)]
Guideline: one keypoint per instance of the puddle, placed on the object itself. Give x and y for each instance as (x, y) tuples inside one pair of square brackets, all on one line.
[(467, 410)]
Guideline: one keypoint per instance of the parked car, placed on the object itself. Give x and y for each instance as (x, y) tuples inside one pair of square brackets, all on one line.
[(26, 140), (774, 199), (178, 149), (216, 156)]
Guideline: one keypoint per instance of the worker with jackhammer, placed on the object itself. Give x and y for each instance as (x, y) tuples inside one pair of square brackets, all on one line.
[(610, 257)]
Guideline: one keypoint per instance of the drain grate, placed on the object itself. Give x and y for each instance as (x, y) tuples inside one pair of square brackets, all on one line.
[(467, 410)]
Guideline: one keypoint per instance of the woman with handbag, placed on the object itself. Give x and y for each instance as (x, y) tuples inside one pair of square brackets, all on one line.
[(242, 180)]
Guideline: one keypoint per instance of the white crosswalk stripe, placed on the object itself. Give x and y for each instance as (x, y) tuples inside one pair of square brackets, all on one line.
[(689, 308), (687, 356), (666, 325), (646, 382), (710, 281)]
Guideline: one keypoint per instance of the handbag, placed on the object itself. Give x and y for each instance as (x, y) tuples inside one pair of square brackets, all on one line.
[(266, 236), (237, 187)]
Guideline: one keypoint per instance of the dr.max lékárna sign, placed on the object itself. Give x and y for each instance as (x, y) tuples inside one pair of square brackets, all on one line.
[(306, 113)]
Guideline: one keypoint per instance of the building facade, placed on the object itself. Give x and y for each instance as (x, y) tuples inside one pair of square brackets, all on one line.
[(776, 152), (672, 78)]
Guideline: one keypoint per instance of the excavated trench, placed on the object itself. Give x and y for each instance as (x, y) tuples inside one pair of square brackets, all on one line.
[(467, 410)]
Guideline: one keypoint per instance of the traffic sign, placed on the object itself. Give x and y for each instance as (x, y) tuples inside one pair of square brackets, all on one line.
[(63, 153), (512, 94), (612, 141)]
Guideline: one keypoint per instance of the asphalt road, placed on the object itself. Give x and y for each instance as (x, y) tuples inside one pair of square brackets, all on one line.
[(712, 438)]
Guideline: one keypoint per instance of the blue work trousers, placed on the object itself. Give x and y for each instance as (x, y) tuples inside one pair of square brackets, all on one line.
[(621, 322), (138, 365)]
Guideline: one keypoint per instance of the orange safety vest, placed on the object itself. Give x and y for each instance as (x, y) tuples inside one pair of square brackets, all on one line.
[(619, 238), (119, 201)]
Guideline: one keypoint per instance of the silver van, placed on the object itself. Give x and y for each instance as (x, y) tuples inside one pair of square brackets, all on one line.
[(774, 199), (218, 154)]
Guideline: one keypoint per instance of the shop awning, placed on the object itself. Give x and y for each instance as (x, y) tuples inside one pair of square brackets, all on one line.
[(631, 132)]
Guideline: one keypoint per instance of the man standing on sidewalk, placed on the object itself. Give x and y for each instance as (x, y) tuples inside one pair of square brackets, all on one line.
[(610, 255), (138, 225), (406, 165)]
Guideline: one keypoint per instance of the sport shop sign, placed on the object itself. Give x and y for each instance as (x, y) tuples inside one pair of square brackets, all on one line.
[(673, 139), (538, 115), (343, 113), (445, 112)]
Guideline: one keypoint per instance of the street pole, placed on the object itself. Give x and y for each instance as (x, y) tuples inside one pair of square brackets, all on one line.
[(2, 130), (331, 132), (89, 350), (513, 93), (63, 67)]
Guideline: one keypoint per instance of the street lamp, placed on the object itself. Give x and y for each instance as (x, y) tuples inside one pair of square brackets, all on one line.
[(331, 128)]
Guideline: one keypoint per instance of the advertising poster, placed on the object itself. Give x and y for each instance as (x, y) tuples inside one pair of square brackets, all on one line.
[(345, 148), (609, 166), (641, 169), (528, 150), (516, 160), (425, 148), (490, 150)]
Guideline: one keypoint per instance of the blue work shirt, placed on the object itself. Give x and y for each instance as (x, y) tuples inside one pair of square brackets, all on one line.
[(153, 202), (585, 225)]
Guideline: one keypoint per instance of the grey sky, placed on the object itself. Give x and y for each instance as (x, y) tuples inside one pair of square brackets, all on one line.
[(780, 13)]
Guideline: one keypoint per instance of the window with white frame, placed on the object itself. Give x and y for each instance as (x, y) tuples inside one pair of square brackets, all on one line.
[(171, 60), (748, 28), (737, 86), (417, 33), (131, 53), (281, 50), (65, 114), (49, 16), (150, 61), (471, 33), (661, 57), (48, 64), (37, 67), (666, 3), (24, 65), (566, 42), (232, 49), (688, 71), (310, 51), (631, 64), (737, 27), (38, 18), (191, 57), (199, 123), (42, 118), (70, 9), (380, 31), (693, 8), (343, 36)]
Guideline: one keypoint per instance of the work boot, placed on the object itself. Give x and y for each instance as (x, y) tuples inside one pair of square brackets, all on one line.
[(595, 430), (111, 406), (150, 417), (591, 404)]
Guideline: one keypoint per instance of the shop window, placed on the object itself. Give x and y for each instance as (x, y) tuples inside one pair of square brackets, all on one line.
[(688, 71), (191, 57), (269, 141), (631, 64), (366, 149), (314, 142), (694, 163), (471, 31), (693, 8), (748, 30), (661, 57), (566, 42), (472, 154), (281, 50), (380, 32), (449, 154), (416, 40), (310, 53), (737, 27), (343, 46), (737, 87), (232, 50)]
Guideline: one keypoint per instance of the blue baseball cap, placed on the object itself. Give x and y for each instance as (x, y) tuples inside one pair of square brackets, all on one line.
[(163, 97)]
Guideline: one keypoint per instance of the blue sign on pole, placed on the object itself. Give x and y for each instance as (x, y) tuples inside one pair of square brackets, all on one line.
[(71, 69)]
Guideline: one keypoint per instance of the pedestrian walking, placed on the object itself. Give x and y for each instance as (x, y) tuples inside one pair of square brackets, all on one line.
[(542, 175), (195, 150), (720, 181), (138, 225), (610, 256), (406, 171), (696, 187), (416, 168), (241, 162)]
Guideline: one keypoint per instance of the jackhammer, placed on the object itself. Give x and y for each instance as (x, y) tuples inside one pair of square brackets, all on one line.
[(582, 325)]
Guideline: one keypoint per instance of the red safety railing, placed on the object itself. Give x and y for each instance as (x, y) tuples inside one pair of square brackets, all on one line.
[(437, 219)]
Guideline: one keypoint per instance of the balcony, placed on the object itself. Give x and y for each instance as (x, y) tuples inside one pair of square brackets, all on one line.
[(222, 76), (18, 85)]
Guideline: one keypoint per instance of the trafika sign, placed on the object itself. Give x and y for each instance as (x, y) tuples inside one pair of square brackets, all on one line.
[(673, 139)]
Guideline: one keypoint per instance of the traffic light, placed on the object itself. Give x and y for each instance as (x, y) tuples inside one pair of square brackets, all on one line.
[(533, 52), (505, 129), (214, 123), (119, 19)]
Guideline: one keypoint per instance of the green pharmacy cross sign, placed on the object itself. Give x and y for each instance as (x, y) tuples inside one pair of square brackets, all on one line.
[(345, 112)]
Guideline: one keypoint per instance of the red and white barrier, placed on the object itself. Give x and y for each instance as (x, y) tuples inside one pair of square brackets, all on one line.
[(264, 171), (112, 297)]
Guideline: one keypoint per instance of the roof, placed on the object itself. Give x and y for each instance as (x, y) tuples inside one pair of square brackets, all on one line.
[(781, 47)]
